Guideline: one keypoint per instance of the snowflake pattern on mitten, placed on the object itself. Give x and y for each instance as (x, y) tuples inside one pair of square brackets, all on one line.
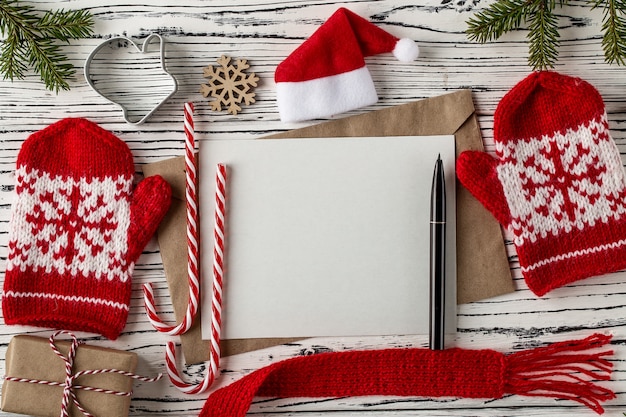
[(562, 182), (67, 228)]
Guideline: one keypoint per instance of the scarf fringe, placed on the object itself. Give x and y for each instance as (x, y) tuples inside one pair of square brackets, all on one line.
[(563, 370)]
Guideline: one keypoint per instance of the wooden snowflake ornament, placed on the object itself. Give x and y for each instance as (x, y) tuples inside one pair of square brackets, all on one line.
[(229, 85)]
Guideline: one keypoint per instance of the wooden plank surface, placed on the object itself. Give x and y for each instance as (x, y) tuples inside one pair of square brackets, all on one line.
[(265, 32)]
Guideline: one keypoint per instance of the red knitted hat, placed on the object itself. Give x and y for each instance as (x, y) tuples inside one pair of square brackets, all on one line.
[(558, 183), (326, 75), (77, 229)]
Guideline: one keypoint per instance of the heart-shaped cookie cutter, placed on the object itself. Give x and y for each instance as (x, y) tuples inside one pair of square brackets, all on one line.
[(142, 50)]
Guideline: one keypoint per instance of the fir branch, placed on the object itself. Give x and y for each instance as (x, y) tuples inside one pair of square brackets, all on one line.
[(614, 31), (543, 37), (66, 25), (507, 15), (47, 60), (13, 57), (499, 18), (30, 38)]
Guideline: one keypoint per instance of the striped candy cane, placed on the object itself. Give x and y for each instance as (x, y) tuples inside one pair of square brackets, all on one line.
[(192, 241), (216, 300)]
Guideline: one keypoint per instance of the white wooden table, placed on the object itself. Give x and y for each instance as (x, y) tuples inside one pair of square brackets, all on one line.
[(265, 32)]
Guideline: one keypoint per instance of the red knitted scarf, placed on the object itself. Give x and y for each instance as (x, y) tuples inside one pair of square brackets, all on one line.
[(564, 370)]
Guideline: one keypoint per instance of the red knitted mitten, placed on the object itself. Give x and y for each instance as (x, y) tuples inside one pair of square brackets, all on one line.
[(557, 184), (77, 229)]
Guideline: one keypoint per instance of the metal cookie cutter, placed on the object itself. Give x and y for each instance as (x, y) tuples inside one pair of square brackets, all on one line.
[(123, 97)]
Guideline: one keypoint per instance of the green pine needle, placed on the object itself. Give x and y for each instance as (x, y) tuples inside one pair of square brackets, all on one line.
[(29, 41), (12, 57), (500, 17), (543, 35), (66, 25), (614, 31)]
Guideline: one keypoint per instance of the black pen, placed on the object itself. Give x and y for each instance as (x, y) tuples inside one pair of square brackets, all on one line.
[(437, 257)]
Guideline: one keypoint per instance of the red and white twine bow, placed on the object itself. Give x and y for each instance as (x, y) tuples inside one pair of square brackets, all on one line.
[(69, 387), (193, 268)]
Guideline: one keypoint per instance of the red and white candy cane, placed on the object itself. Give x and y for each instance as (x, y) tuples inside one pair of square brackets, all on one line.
[(192, 241), (216, 300)]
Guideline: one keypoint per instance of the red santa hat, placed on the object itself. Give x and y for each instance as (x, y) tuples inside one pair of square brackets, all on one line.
[(326, 75)]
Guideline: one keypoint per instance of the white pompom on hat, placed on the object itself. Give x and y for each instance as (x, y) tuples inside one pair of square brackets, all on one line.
[(326, 75)]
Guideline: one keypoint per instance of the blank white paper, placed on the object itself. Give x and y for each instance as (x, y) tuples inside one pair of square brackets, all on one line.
[(326, 236)]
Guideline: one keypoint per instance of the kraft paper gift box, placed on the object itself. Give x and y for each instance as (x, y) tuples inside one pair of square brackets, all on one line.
[(481, 274), (32, 357)]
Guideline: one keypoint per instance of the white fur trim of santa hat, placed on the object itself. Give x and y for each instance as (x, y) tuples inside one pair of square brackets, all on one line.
[(327, 96)]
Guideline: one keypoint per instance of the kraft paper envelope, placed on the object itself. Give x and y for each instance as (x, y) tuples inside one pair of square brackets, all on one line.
[(482, 263)]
